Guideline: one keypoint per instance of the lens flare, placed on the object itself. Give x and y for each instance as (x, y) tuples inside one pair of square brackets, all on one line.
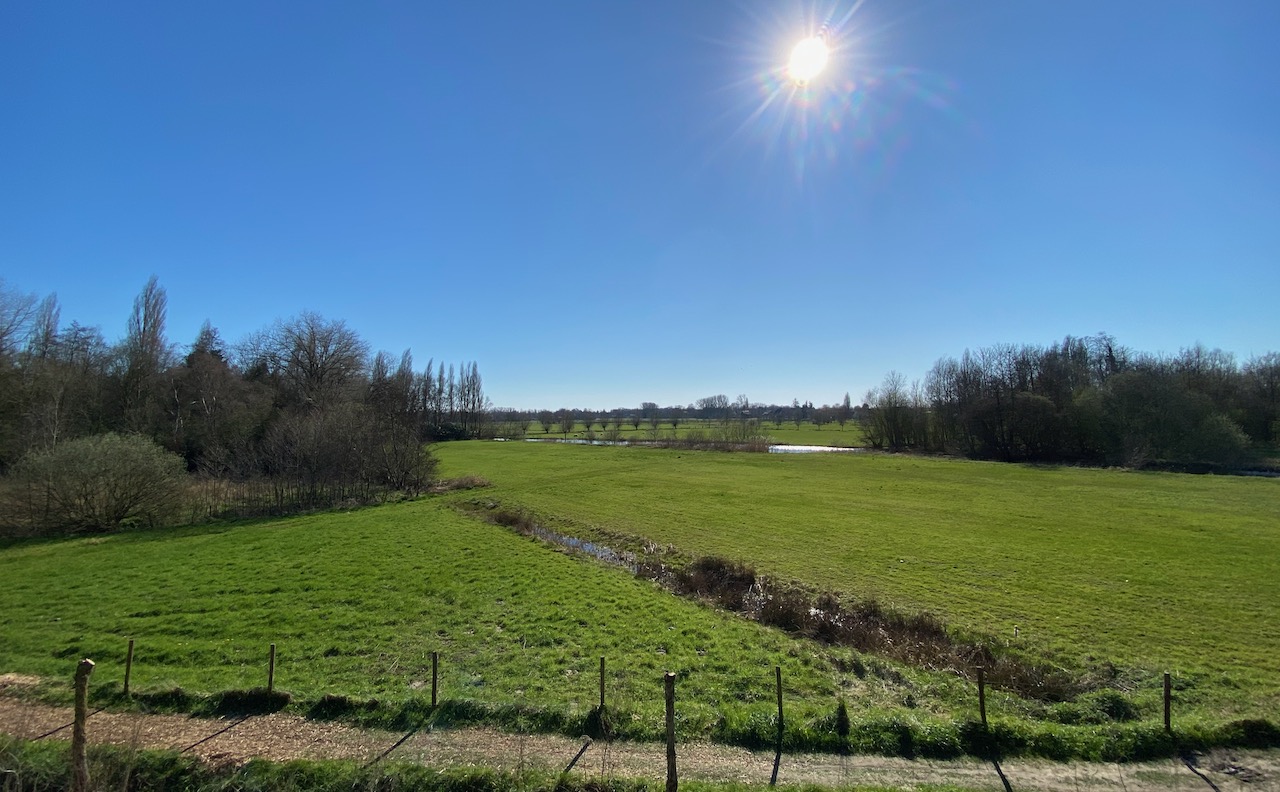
[(818, 94), (808, 59)]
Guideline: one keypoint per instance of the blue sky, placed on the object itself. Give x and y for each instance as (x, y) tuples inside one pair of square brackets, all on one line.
[(604, 203)]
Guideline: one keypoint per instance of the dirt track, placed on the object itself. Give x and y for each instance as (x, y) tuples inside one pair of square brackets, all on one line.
[(280, 737)]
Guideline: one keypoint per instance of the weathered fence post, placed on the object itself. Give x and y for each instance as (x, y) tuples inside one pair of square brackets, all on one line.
[(128, 666), (271, 669), (777, 757), (79, 762), (673, 782), (1168, 692), (435, 677), (601, 685), (982, 695)]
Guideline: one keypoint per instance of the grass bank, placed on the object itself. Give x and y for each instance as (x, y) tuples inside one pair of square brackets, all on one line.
[(1147, 571), (357, 602)]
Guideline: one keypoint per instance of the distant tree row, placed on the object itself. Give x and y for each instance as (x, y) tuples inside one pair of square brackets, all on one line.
[(1084, 400), (302, 405), (718, 409)]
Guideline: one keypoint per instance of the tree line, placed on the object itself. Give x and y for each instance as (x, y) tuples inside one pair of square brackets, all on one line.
[(300, 413), (718, 409), (1084, 400)]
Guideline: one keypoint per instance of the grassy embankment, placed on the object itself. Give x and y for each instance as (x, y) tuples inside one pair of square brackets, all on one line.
[(356, 602), (1151, 572)]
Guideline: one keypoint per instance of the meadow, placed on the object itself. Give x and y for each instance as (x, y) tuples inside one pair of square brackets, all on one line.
[(356, 602), (1150, 572)]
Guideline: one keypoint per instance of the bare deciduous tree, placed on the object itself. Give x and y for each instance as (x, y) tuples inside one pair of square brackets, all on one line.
[(564, 417), (318, 359), (16, 312), (886, 421)]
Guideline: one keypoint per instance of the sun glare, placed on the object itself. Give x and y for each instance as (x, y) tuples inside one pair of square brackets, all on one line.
[(818, 97), (808, 59)]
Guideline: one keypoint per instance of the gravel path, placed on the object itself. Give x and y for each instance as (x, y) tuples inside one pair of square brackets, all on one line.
[(233, 741)]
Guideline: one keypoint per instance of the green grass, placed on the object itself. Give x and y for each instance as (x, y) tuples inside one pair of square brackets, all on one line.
[(356, 602), (1151, 572), (1148, 571), (810, 434)]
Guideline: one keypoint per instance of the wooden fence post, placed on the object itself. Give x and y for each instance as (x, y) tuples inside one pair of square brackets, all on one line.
[(601, 685), (1168, 692), (79, 762), (673, 782), (128, 667), (271, 669), (777, 757), (982, 695), (435, 677)]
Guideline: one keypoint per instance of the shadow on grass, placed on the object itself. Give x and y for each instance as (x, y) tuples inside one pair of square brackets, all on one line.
[(887, 734), (254, 701)]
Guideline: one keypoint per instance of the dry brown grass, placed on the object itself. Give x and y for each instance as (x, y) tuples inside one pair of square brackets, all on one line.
[(458, 484)]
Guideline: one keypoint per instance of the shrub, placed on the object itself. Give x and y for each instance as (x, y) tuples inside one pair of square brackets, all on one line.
[(787, 609), (1100, 706), (96, 484), (722, 580)]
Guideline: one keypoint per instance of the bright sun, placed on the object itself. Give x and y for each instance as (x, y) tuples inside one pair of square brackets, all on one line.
[(807, 60)]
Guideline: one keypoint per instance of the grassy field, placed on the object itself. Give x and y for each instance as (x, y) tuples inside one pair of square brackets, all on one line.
[(1147, 571), (356, 602), (1151, 572), (807, 433)]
